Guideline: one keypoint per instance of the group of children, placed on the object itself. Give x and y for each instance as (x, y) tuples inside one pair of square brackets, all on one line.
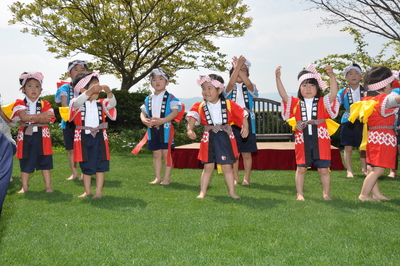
[(227, 114)]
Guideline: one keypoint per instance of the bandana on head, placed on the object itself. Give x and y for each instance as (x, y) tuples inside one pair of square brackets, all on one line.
[(207, 78), (350, 67), (158, 72), (83, 82), (77, 62), (247, 64), (313, 75), (36, 75), (383, 83)]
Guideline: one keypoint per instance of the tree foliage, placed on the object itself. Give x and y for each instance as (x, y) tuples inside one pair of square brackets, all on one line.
[(381, 17), (129, 38), (360, 57)]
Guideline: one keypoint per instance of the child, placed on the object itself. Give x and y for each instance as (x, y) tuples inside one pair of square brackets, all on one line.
[(90, 139), (6, 162), (379, 113), (158, 111), (310, 111), (351, 133), (218, 144), (34, 149), (396, 89), (241, 90), (64, 95)]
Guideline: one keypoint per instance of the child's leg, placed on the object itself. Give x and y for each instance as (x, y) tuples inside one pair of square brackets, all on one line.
[(347, 160), (47, 180), (392, 173), (99, 185), (24, 181), (205, 179), (377, 194), (300, 174), (72, 165), (157, 162), (236, 170), (247, 163), (326, 182), (167, 169), (228, 172), (87, 180), (363, 162), (369, 183)]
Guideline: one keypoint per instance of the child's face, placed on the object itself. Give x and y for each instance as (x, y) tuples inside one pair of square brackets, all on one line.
[(32, 89), (244, 70), (159, 83), (76, 70), (210, 93), (308, 90), (93, 82), (353, 77)]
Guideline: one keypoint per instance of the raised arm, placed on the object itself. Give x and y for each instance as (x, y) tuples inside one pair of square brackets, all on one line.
[(234, 76), (279, 85), (334, 84)]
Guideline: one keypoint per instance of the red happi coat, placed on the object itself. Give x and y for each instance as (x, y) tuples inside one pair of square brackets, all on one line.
[(382, 143), (46, 139), (325, 110), (75, 115), (235, 116)]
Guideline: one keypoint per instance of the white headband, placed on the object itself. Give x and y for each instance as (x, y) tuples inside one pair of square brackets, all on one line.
[(77, 62), (313, 75), (383, 83), (158, 72), (350, 67)]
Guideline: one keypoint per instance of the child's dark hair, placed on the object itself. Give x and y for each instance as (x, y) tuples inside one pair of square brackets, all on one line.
[(79, 62), (356, 65), (308, 81), (376, 74), (220, 79), (81, 76)]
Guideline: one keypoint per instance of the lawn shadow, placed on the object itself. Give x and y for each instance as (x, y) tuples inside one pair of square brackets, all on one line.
[(181, 186), (271, 188), (115, 203), (255, 203), (345, 205), (55, 196), (107, 183)]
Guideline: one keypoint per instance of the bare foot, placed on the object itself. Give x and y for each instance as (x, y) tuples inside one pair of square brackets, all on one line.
[(349, 174), (245, 183), (381, 197), (155, 181), (300, 197), (327, 198), (235, 182), (72, 177), (49, 190), (98, 195), (365, 173), (201, 196), (22, 191), (81, 177), (234, 196), (11, 179), (392, 175), (83, 195), (363, 198), (164, 183)]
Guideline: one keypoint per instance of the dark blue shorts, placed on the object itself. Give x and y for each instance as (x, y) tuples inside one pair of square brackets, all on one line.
[(154, 144), (222, 149), (317, 162), (95, 163), (68, 134), (35, 160), (351, 134), (248, 144)]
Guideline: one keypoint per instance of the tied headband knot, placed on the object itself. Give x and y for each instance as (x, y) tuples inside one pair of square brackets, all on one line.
[(158, 72), (313, 75), (207, 78), (36, 75), (247, 64), (383, 83), (83, 82)]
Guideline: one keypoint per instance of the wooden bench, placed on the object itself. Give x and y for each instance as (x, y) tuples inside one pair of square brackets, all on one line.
[(269, 122)]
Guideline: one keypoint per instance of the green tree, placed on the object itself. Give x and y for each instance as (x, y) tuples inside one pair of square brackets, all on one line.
[(129, 38), (381, 17)]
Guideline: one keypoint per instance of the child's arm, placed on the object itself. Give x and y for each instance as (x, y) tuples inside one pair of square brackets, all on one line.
[(110, 96), (243, 75), (3, 115), (42, 118), (245, 128), (279, 85), (64, 101), (191, 134), (157, 121), (334, 84), (234, 76), (145, 119)]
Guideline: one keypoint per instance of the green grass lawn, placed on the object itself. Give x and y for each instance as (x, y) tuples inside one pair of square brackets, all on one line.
[(138, 223)]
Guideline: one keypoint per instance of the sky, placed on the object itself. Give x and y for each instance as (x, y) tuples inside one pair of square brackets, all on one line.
[(283, 33)]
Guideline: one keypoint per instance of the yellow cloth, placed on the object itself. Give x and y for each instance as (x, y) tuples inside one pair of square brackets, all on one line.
[(362, 110), (219, 168), (330, 124), (7, 109), (64, 113)]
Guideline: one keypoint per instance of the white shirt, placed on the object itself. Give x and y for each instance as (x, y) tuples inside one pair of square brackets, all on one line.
[(32, 110), (356, 94), (215, 112), (309, 103)]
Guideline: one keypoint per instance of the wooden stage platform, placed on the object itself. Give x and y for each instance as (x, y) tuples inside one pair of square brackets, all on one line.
[(270, 155)]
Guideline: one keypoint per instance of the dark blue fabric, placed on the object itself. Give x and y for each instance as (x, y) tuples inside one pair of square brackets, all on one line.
[(6, 164)]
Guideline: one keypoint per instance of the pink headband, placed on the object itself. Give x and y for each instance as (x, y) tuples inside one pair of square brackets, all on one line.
[(383, 83), (36, 75), (207, 78), (313, 75), (83, 82)]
